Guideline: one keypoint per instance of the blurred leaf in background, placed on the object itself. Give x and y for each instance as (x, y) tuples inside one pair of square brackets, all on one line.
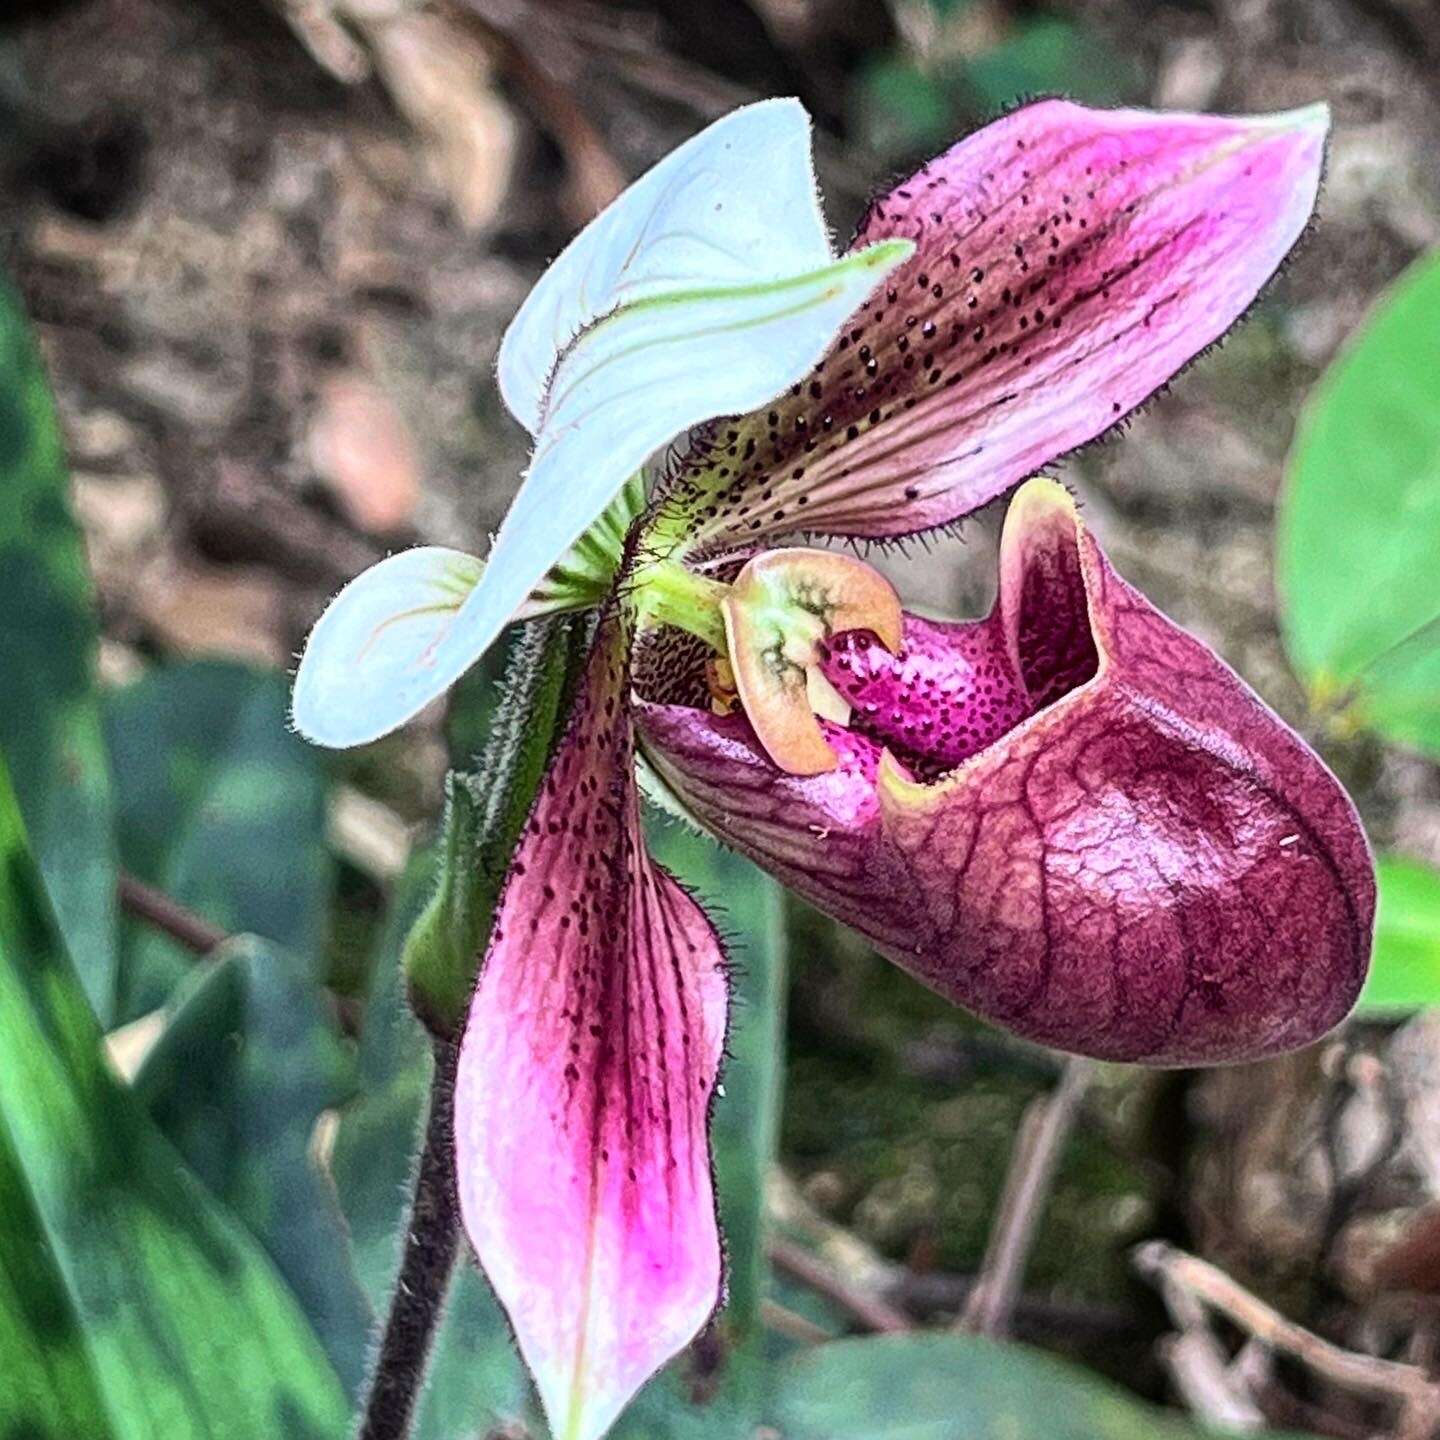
[(959, 62), (249, 1059), (1405, 974), (132, 1304), (1358, 562), (49, 720), (223, 808), (1358, 573), (939, 1387)]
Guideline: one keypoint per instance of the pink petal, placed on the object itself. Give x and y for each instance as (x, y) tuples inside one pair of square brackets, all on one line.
[(585, 1080), (1149, 866), (1069, 262)]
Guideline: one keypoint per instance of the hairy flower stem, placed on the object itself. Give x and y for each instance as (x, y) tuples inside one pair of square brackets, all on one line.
[(432, 1233), (485, 816)]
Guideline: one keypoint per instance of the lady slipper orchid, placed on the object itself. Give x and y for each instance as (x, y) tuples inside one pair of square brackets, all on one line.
[(1069, 816)]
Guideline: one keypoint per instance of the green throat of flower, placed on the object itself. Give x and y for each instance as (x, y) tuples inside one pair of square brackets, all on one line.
[(766, 629)]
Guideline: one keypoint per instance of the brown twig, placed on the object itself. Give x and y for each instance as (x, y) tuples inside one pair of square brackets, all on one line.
[(1201, 1370), (166, 913), (1033, 1163), (1035, 1317), (1186, 1280), (871, 1312), (784, 1321)]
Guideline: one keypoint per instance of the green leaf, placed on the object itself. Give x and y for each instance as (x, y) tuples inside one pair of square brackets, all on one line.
[(1047, 55), (476, 1379), (956, 1387), (49, 722), (249, 1059), (1405, 971), (221, 807), (902, 110), (132, 1304), (1359, 523)]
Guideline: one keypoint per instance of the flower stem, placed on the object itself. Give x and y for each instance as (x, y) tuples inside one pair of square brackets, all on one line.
[(432, 1233), (483, 825)]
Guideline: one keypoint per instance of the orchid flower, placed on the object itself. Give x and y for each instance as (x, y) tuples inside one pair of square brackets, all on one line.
[(1069, 816)]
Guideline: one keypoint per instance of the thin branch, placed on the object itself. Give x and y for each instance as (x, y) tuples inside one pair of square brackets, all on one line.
[(868, 1310), (1043, 1132), (783, 1321), (1203, 1381), (167, 914), (1035, 1317), (1186, 1279)]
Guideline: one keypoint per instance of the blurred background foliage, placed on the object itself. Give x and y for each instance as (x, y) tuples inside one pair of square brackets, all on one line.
[(268, 250)]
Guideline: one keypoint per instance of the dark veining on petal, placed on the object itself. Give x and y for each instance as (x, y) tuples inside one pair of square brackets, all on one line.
[(1126, 854), (1067, 263)]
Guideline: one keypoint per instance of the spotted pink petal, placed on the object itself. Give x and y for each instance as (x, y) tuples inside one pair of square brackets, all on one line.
[(1069, 262), (1069, 817), (585, 1079)]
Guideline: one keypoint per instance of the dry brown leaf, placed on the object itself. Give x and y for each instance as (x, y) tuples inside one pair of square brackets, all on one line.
[(363, 450), (442, 80)]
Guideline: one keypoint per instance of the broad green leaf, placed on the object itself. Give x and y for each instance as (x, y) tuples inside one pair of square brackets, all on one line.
[(132, 1304), (1359, 524), (475, 1377), (1405, 971), (1400, 694), (49, 724), (956, 1387), (716, 1390), (223, 808), (250, 1057)]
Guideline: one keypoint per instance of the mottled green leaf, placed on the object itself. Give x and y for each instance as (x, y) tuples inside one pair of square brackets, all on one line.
[(49, 723), (1405, 972), (1359, 525), (220, 806), (132, 1304), (249, 1058), (956, 1387)]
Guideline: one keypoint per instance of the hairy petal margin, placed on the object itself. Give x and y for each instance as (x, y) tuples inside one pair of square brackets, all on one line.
[(585, 1079), (1068, 262)]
